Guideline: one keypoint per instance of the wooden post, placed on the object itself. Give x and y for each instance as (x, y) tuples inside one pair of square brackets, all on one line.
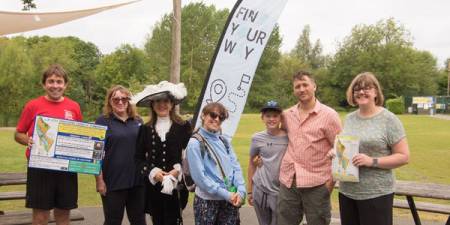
[(176, 43), (176, 46), (448, 77)]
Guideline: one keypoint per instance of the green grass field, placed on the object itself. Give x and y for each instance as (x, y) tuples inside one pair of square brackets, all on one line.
[(429, 142)]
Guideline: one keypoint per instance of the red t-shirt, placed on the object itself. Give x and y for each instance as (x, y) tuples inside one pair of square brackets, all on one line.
[(66, 109)]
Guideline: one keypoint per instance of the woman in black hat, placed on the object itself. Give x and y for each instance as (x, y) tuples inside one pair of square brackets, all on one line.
[(159, 149)]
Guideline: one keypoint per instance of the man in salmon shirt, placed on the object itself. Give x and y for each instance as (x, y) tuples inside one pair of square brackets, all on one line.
[(48, 189), (305, 171)]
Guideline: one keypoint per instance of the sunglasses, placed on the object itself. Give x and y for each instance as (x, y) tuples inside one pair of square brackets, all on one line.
[(123, 100), (214, 116)]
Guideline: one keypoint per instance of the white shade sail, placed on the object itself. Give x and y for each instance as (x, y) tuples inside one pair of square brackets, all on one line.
[(15, 22)]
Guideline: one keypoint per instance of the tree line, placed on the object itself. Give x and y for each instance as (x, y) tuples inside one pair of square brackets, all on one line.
[(385, 48)]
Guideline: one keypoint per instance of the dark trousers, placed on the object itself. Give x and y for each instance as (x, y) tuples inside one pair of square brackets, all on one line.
[(375, 211), (131, 199), (165, 209)]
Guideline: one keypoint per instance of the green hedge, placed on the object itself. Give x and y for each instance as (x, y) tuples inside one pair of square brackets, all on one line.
[(396, 105)]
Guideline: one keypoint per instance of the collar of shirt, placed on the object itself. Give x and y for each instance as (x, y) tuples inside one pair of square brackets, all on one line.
[(296, 113), (208, 134), (113, 116), (162, 127)]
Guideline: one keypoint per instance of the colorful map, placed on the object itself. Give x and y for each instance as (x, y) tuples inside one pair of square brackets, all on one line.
[(342, 168), (342, 159), (45, 142)]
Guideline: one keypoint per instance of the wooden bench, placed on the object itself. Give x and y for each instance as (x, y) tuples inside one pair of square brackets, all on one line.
[(12, 195), (13, 178), (423, 206), (24, 217), (411, 189), (7, 179)]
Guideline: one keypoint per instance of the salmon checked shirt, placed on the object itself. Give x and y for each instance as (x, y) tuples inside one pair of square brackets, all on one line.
[(309, 142)]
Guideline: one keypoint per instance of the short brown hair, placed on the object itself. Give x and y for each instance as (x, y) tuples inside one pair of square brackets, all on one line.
[(210, 107), (57, 70), (366, 79), (107, 108), (300, 74)]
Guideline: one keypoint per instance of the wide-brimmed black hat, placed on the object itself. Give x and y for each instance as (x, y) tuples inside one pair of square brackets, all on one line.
[(164, 90)]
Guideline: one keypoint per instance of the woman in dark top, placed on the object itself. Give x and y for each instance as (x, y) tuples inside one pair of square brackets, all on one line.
[(159, 149), (118, 182)]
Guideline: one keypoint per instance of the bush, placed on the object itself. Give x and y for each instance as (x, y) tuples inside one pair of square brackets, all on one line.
[(396, 105)]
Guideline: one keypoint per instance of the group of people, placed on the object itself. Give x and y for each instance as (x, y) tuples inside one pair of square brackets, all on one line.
[(290, 162), (289, 173)]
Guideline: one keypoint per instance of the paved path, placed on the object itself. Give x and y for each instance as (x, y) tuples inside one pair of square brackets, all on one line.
[(94, 216), (8, 128), (442, 116)]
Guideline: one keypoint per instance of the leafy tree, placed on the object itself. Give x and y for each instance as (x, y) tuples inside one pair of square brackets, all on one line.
[(87, 57), (15, 71), (386, 49), (442, 80), (201, 27), (127, 66), (286, 67), (266, 75), (28, 4), (308, 53)]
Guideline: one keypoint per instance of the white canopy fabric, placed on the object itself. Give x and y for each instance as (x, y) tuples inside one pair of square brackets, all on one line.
[(15, 22)]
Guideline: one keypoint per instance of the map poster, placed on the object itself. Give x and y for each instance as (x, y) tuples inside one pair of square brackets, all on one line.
[(66, 145), (342, 167)]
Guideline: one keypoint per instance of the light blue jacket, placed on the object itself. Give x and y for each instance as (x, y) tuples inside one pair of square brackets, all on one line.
[(207, 176)]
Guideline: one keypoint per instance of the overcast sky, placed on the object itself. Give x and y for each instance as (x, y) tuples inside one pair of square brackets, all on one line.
[(330, 20)]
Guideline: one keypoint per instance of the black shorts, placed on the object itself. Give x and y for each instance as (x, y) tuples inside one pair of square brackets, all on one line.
[(48, 189)]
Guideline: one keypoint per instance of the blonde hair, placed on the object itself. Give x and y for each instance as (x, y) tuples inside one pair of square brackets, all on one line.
[(107, 107), (366, 79)]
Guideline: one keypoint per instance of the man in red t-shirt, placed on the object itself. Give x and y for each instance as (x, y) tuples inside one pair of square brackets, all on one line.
[(48, 189)]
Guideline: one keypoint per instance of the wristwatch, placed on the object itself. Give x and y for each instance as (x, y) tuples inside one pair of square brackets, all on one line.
[(375, 162)]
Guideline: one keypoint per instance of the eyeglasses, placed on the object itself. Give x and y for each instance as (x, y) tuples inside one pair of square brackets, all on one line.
[(214, 115), (365, 89), (123, 100)]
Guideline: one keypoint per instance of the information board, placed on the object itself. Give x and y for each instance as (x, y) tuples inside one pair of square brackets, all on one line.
[(66, 145)]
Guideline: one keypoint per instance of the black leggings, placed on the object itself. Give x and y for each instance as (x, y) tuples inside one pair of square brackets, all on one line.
[(131, 199), (375, 211)]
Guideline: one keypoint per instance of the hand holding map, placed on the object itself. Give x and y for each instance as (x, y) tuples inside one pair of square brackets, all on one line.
[(345, 147)]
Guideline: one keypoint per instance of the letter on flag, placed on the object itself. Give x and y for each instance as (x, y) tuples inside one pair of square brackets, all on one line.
[(237, 55)]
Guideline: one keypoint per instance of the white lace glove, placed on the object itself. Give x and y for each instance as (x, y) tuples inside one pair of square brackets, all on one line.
[(168, 184), (180, 171), (152, 174)]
